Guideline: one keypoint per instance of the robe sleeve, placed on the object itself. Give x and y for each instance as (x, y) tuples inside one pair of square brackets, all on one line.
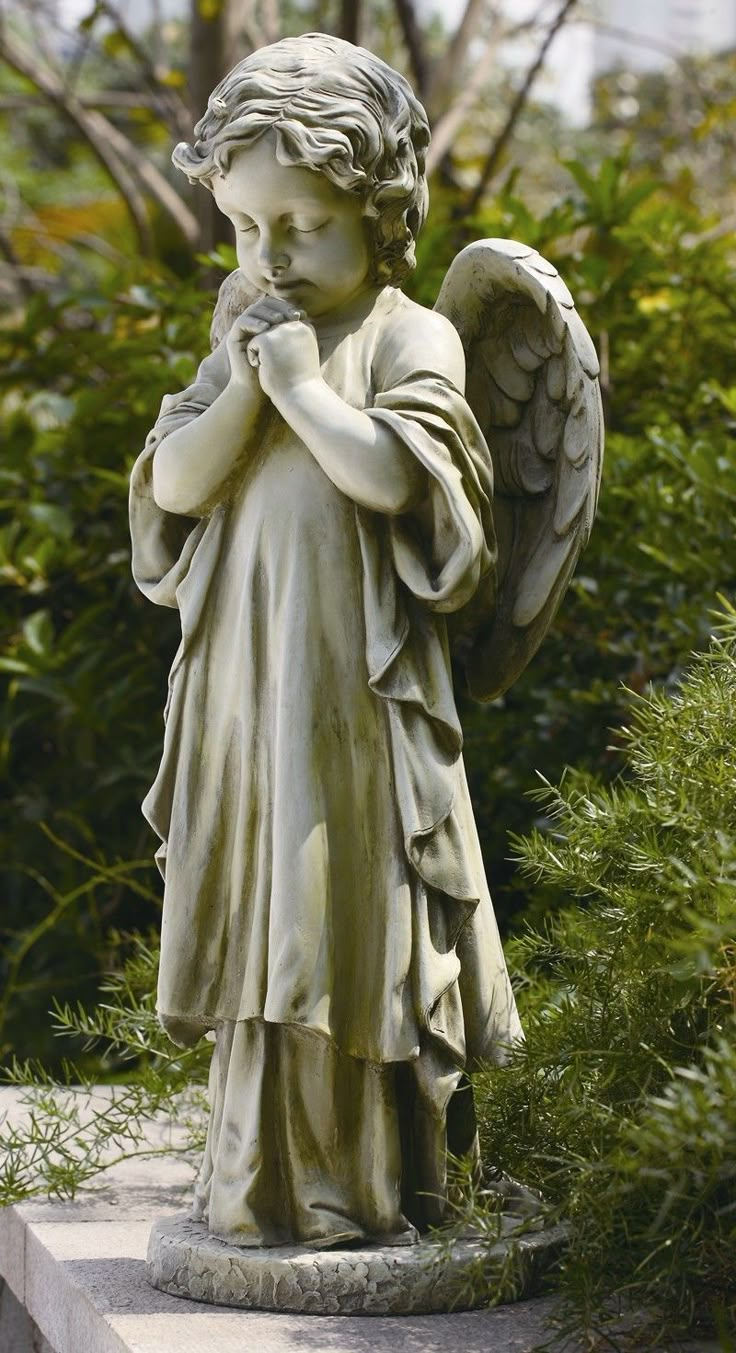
[(416, 568), (446, 546), (423, 569), (163, 543)]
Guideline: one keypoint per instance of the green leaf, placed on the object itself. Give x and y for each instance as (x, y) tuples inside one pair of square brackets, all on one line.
[(52, 518), (38, 632)]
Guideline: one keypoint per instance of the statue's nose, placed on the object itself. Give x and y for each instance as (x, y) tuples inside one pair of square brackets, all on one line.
[(272, 254)]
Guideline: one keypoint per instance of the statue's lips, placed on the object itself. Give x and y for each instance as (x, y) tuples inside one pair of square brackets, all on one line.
[(286, 288)]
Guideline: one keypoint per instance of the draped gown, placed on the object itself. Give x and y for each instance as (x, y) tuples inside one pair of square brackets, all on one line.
[(326, 911)]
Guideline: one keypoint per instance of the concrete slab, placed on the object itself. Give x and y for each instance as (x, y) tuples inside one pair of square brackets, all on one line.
[(18, 1334), (86, 1289), (79, 1270), (13, 1251)]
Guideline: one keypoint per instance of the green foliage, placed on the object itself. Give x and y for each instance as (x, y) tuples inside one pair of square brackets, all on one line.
[(684, 120), (620, 1106), (84, 659), (660, 306), (68, 1130)]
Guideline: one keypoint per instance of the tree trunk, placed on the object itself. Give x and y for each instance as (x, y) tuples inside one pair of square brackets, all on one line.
[(442, 79), (350, 20), (518, 104), (414, 41), (207, 65)]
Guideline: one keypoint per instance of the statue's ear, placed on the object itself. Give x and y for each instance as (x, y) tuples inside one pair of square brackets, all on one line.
[(234, 296)]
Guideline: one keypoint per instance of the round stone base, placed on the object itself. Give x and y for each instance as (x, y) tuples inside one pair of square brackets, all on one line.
[(184, 1260)]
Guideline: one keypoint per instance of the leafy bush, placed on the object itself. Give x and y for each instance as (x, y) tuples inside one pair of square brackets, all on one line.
[(84, 658), (656, 292), (72, 1130), (620, 1106), (619, 992)]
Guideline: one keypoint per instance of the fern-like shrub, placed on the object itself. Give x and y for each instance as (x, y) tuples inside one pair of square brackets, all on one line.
[(70, 1128), (621, 1106)]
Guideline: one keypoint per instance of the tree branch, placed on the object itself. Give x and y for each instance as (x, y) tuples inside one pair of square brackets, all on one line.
[(120, 159), (91, 125), (156, 183), (637, 39), (104, 98), (270, 20), (174, 110), (445, 73), (517, 107), (243, 33), (447, 127)]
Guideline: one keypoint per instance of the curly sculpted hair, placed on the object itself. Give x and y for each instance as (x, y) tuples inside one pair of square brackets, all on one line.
[(334, 108)]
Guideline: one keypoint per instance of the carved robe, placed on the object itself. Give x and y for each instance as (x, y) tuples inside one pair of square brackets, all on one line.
[(326, 910)]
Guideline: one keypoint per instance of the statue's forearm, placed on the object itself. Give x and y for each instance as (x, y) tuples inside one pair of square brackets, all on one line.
[(192, 466), (363, 457)]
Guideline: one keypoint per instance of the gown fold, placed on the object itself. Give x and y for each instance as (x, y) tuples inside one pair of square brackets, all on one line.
[(325, 896)]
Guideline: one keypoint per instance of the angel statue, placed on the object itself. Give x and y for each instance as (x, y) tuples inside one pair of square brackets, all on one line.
[(353, 491)]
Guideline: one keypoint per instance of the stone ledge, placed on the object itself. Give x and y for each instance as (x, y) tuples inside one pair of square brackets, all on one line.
[(78, 1269)]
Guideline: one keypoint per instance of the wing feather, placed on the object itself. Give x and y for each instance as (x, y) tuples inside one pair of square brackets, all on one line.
[(527, 358), (555, 376), (235, 295), (546, 424), (532, 384), (545, 566), (515, 382)]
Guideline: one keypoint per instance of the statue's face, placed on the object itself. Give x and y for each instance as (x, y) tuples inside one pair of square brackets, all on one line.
[(298, 236)]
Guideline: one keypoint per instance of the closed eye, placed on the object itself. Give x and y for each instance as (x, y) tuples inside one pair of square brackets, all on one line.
[(308, 227)]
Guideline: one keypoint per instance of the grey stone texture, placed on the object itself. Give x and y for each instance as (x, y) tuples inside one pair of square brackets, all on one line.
[(186, 1261), (18, 1333)]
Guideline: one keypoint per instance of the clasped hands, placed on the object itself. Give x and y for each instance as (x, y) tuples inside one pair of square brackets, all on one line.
[(272, 342)]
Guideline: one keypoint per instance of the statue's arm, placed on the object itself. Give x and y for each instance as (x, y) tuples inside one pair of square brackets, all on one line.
[(193, 467), (363, 456)]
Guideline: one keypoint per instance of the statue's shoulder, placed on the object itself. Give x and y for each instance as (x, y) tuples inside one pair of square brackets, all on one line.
[(417, 339)]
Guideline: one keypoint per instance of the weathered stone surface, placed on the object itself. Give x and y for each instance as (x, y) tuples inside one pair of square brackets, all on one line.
[(184, 1260), (18, 1333)]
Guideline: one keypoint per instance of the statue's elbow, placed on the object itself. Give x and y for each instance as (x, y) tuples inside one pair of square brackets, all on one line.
[(168, 490), (409, 489)]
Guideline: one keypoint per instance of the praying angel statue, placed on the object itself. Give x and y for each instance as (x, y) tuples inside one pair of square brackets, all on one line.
[(355, 496)]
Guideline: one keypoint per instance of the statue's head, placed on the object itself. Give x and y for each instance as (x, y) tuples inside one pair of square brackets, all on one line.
[(334, 108)]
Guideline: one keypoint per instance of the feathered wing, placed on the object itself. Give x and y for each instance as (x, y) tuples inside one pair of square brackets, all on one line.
[(532, 385), (234, 296)]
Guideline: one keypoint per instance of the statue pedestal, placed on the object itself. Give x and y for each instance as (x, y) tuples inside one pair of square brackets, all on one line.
[(431, 1276)]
